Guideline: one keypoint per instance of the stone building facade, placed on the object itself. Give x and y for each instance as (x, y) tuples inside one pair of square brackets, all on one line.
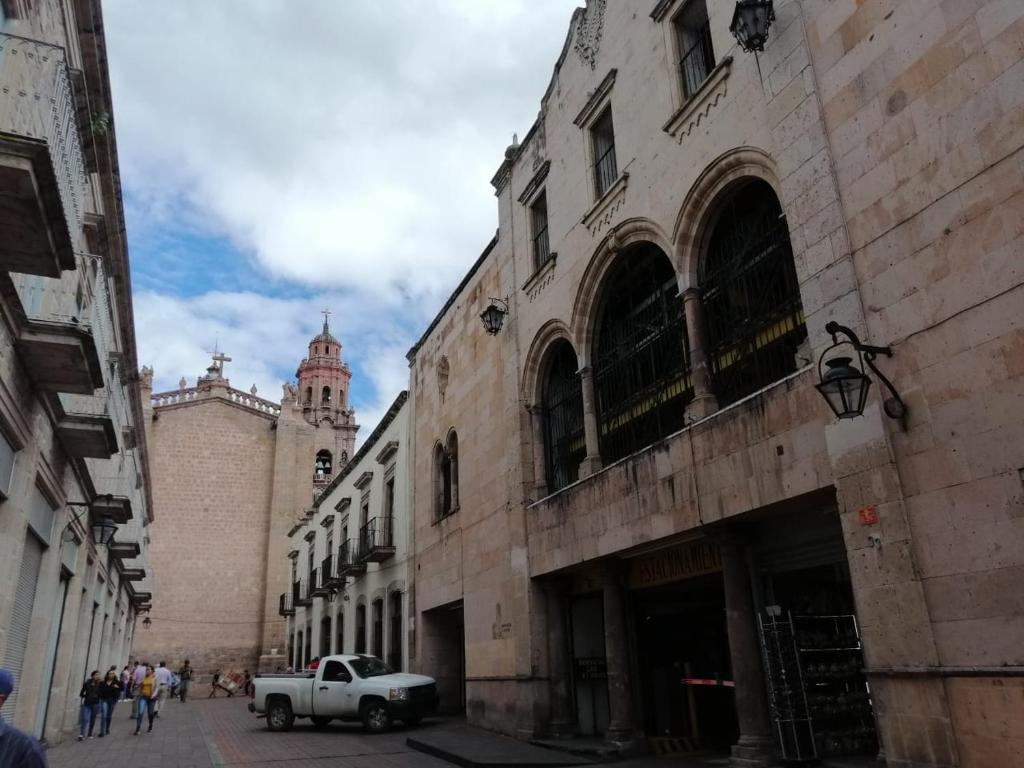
[(232, 469), (349, 555), (633, 513), (75, 500)]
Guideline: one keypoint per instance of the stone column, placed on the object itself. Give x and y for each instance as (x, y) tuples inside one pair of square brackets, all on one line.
[(540, 485), (616, 651), (559, 660), (755, 746), (704, 402), (592, 462)]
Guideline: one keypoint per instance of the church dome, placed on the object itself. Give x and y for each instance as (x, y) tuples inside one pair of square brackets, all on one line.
[(324, 336)]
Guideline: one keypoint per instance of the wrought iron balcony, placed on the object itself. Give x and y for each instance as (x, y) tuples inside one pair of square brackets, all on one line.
[(349, 561), (322, 582), (329, 567), (300, 594), (42, 174), (376, 540), (285, 605)]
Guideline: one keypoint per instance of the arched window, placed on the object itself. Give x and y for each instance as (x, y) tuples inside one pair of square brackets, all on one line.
[(323, 464), (641, 366), (754, 316), (325, 396), (446, 476), (562, 406), (309, 395)]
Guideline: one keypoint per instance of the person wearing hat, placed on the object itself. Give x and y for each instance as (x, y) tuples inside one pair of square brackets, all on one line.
[(16, 748)]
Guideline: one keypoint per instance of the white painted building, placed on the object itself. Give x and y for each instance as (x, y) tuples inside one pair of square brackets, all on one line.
[(350, 555)]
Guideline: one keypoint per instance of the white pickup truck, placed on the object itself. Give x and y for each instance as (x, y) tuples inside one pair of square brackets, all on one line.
[(345, 688)]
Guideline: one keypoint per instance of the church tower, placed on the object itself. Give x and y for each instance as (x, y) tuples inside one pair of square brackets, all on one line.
[(323, 382)]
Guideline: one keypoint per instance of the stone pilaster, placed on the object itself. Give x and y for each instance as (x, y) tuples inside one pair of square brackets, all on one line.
[(592, 462), (704, 402), (562, 722), (755, 746), (616, 648)]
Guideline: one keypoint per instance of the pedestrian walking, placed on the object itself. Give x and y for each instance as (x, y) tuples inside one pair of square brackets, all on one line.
[(138, 674), (214, 684), (90, 710), (145, 697), (126, 682), (110, 691), (185, 673), (163, 683), (16, 748), (247, 682)]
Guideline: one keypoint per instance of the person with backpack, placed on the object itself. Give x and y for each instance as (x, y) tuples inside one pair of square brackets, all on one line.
[(185, 674)]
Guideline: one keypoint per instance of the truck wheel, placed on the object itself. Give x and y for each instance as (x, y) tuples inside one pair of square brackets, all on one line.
[(279, 715), (320, 722), (376, 717)]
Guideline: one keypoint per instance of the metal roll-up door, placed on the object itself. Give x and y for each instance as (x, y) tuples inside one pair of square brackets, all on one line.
[(21, 618)]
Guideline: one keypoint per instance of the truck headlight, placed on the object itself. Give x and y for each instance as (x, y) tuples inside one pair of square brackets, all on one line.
[(398, 694)]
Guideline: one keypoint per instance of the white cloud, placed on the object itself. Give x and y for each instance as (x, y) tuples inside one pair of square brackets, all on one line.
[(350, 133)]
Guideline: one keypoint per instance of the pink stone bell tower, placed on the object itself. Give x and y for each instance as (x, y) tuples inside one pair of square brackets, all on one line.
[(323, 382)]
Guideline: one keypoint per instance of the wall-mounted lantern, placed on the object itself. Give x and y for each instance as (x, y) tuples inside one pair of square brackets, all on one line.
[(147, 623), (102, 529), (494, 316), (750, 23), (845, 385)]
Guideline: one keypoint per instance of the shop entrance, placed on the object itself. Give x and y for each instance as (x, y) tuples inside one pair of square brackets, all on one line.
[(684, 663), (810, 634)]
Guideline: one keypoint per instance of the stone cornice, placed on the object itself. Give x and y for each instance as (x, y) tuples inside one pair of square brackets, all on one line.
[(363, 480), (601, 212), (390, 449), (534, 184), (596, 101)]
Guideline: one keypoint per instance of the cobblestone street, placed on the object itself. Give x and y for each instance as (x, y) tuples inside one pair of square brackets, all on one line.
[(221, 732)]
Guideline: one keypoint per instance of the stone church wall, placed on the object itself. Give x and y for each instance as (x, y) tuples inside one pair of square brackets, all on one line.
[(212, 471)]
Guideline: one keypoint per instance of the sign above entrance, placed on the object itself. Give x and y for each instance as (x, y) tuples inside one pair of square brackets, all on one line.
[(697, 558)]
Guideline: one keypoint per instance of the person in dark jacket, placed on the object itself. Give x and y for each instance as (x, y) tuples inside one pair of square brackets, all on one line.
[(16, 748), (110, 692), (90, 695)]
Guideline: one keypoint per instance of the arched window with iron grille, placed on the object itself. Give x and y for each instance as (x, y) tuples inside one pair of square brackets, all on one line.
[(562, 407), (641, 364), (748, 283)]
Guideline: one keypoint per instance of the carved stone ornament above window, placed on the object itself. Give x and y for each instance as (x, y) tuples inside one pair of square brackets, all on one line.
[(364, 480), (343, 503), (603, 212), (589, 31), (534, 184), (596, 101), (328, 521), (699, 106), (541, 278)]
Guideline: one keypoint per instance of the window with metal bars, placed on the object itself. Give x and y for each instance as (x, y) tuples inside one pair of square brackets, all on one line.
[(539, 225), (696, 54), (641, 364), (602, 134), (748, 283), (562, 404)]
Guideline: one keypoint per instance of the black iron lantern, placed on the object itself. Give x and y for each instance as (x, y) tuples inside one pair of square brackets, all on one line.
[(845, 385), (103, 530), (494, 316), (844, 388), (750, 23), (147, 623)]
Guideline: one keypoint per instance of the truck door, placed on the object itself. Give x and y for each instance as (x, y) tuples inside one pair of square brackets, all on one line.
[(332, 693)]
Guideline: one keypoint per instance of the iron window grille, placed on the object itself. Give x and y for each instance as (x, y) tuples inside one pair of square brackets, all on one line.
[(605, 168), (697, 57), (754, 315), (642, 370), (562, 404), (539, 222)]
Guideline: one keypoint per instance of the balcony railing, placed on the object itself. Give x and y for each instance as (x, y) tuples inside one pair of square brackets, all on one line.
[(37, 104), (300, 594), (376, 539), (286, 605), (329, 571), (349, 561)]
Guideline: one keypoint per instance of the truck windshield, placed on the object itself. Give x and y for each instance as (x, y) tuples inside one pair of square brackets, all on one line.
[(368, 666)]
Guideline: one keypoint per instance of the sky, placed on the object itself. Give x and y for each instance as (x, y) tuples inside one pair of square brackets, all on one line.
[(280, 157)]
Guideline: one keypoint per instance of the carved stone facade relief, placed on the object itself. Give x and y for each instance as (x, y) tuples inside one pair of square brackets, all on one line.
[(588, 32)]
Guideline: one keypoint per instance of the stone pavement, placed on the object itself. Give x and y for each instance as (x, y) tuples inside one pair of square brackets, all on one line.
[(206, 733)]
